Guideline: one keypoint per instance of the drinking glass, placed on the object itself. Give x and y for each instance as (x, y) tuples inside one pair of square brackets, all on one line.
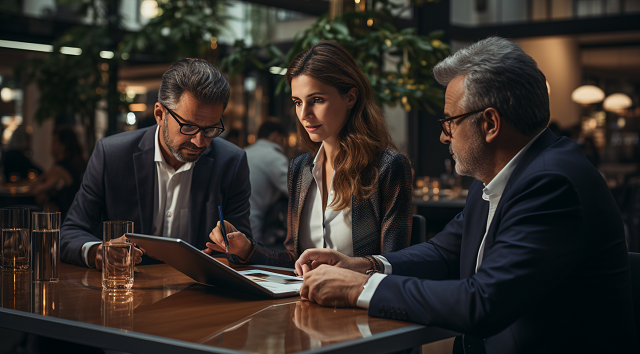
[(117, 264), (115, 229), (45, 239), (15, 249)]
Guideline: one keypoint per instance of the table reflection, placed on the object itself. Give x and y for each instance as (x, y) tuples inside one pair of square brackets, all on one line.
[(117, 309), (46, 298), (16, 290), (312, 319)]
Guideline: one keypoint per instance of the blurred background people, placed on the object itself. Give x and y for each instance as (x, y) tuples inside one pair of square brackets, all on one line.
[(61, 182), (268, 168), (16, 161), (351, 190)]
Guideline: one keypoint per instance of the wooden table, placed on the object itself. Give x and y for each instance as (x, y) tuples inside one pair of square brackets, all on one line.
[(167, 313)]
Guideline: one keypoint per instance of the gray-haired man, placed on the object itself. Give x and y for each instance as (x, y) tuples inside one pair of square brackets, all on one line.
[(168, 179)]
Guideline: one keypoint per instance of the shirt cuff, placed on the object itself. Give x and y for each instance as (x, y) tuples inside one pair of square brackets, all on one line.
[(386, 265), (85, 253), (369, 289)]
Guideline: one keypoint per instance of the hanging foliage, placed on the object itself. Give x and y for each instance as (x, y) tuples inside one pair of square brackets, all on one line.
[(397, 63)]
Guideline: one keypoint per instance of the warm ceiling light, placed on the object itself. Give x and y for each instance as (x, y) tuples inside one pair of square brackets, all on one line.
[(616, 102), (587, 94), (6, 94), (137, 107), (149, 9)]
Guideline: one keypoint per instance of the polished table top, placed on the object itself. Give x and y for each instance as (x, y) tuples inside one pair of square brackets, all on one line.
[(167, 311)]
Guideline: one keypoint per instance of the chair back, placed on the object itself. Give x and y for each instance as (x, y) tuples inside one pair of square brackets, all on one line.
[(634, 270), (419, 229)]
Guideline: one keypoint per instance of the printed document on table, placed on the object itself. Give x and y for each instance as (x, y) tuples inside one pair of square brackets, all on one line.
[(278, 283)]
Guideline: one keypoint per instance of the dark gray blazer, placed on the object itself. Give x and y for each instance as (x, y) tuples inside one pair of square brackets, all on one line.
[(120, 181), (380, 223)]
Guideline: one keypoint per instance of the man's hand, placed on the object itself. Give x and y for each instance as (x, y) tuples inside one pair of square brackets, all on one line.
[(312, 258), (333, 286), (95, 253), (239, 244)]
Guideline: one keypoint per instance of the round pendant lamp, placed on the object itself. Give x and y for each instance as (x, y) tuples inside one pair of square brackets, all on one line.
[(587, 94), (616, 102)]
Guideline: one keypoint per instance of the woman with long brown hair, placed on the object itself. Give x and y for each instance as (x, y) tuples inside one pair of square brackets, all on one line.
[(351, 191)]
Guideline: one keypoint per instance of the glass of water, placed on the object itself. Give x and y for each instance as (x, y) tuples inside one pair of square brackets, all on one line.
[(117, 264), (16, 244), (45, 240)]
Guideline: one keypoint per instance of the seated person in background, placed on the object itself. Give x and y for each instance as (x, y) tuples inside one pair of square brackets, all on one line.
[(352, 190), (536, 262), (16, 161), (62, 181), (268, 175), (168, 179)]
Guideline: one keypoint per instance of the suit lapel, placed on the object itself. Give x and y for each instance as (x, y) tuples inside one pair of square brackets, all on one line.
[(304, 182), (145, 169), (202, 171), (476, 213), (546, 139)]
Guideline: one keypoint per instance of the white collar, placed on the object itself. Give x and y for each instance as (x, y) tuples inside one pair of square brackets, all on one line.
[(157, 155), (319, 155), (499, 182)]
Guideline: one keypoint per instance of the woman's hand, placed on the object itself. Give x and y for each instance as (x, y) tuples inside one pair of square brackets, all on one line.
[(239, 244), (312, 258)]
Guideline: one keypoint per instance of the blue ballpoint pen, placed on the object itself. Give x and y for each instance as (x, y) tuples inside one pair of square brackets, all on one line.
[(224, 232)]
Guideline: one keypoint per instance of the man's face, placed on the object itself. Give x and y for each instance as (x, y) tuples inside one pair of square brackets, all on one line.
[(466, 144), (186, 148)]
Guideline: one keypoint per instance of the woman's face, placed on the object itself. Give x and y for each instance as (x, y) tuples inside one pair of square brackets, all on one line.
[(321, 109)]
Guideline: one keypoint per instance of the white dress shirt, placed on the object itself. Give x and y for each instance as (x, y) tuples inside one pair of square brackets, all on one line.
[(170, 200), (491, 193), (326, 228)]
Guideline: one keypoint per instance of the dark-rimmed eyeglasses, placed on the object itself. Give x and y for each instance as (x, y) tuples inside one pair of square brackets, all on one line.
[(192, 129), (446, 122)]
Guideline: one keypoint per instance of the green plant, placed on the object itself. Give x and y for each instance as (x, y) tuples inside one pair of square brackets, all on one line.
[(77, 84), (397, 62)]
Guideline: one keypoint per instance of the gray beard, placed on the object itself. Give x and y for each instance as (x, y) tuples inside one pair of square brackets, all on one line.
[(470, 162), (175, 152)]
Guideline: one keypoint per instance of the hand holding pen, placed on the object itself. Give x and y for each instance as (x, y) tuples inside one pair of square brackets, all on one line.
[(224, 232), (238, 243)]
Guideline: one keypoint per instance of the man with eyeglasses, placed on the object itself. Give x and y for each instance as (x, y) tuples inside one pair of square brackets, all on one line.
[(535, 263), (168, 179)]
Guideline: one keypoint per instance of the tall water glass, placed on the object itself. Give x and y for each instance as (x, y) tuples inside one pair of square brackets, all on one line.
[(115, 229), (117, 256), (45, 239), (15, 248)]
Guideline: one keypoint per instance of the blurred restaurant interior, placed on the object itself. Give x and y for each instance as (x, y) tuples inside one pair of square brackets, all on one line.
[(589, 51)]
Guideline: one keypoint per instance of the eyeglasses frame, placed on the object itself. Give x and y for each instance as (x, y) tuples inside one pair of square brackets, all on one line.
[(219, 129), (460, 116)]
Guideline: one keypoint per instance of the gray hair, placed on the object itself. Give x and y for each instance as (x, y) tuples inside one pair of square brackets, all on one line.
[(200, 78), (499, 74)]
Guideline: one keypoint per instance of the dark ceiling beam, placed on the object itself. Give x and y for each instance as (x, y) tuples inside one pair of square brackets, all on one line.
[(551, 28), (309, 7)]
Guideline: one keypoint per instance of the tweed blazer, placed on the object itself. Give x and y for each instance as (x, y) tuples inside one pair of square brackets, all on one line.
[(380, 223)]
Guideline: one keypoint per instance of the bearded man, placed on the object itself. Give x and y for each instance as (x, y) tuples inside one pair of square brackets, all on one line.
[(168, 179)]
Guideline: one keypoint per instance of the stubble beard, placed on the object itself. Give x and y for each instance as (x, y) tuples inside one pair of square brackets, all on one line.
[(176, 151), (469, 160)]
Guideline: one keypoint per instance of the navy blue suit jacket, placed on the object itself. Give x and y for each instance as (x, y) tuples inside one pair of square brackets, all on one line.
[(554, 276), (120, 181)]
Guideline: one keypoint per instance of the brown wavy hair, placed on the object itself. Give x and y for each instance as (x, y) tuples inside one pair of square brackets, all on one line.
[(364, 137)]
